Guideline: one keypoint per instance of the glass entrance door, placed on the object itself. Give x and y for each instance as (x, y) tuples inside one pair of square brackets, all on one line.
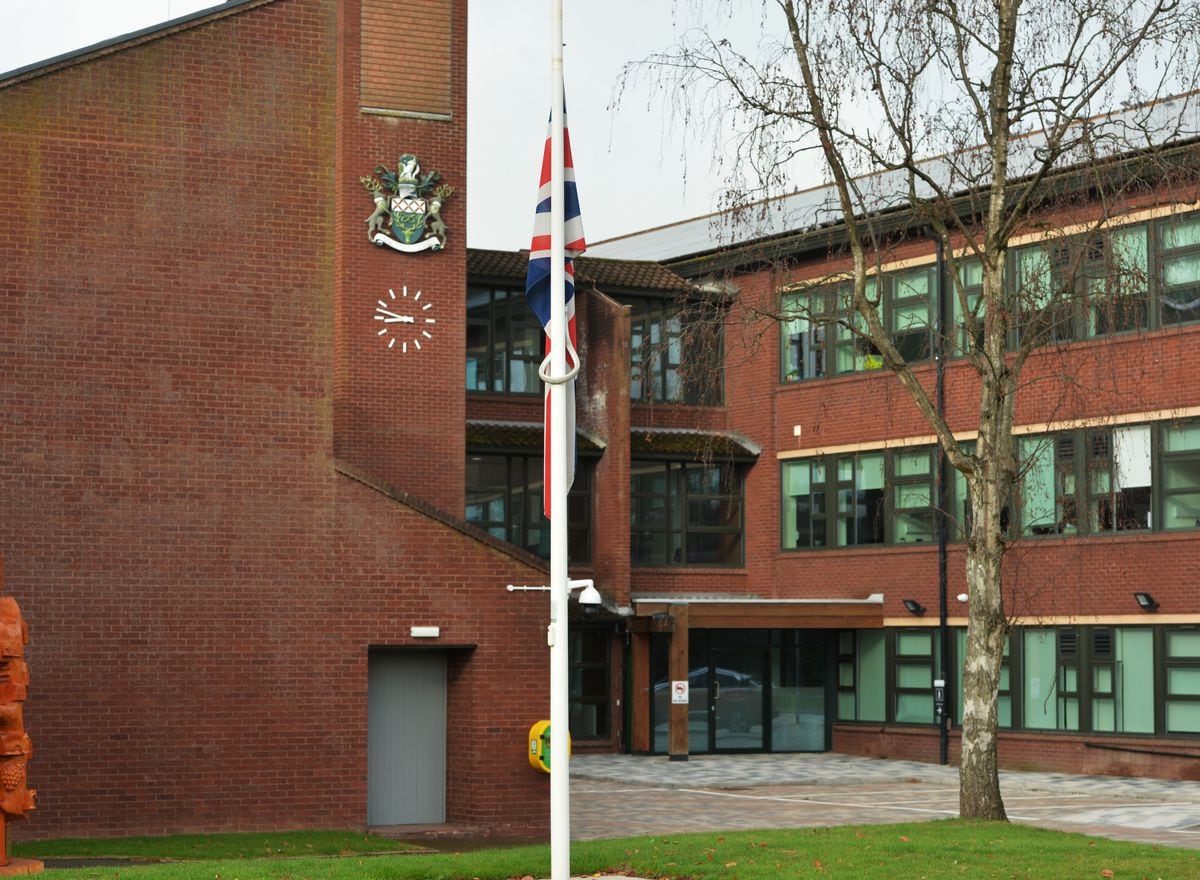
[(737, 699)]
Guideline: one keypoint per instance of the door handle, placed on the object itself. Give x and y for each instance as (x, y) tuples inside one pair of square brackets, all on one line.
[(716, 690)]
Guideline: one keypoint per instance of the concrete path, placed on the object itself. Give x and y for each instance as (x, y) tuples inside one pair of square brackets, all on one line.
[(619, 795)]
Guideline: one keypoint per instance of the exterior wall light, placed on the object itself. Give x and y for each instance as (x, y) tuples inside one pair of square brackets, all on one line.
[(1146, 601), (914, 607)]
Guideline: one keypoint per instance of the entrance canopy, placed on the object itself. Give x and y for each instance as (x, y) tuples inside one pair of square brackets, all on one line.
[(658, 613)]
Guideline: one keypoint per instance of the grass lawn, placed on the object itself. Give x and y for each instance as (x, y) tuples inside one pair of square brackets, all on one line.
[(941, 849)]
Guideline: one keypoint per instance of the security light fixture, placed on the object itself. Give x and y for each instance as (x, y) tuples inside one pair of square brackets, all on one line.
[(914, 607), (1146, 601)]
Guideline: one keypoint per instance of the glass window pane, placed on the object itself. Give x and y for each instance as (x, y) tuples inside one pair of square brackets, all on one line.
[(912, 464), (1183, 682), (1181, 271), (917, 495), (1181, 511), (846, 674), (910, 644), (1183, 717), (1181, 473), (872, 675), (915, 708), (1037, 486), (870, 471), (1135, 679), (1183, 644), (1182, 438), (914, 675), (1040, 661), (1185, 233), (846, 706)]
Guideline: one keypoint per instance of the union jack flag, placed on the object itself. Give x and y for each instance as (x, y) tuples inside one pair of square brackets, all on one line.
[(537, 289)]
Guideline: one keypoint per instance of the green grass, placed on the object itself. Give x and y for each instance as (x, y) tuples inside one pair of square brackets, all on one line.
[(942, 849), (284, 844)]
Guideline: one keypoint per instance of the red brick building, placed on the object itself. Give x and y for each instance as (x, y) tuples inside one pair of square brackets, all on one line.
[(1103, 666), (234, 513), (266, 480)]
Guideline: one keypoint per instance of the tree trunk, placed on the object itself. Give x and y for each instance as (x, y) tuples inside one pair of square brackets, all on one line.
[(991, 488), (979, 780)]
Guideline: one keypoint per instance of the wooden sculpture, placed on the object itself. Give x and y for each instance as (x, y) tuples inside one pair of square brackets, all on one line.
[(16, 797)]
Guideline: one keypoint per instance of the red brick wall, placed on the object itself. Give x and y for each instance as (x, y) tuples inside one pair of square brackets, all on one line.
[(1045, 752), (187, 290), (399, 415), (1093, 575)]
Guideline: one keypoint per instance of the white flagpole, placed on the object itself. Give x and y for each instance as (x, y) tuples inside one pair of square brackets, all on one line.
[(560, 785)]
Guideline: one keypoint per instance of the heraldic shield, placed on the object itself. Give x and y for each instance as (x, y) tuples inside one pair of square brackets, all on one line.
[(409, 214), (408, 204)]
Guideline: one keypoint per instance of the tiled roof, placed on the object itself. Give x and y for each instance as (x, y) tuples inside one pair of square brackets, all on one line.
[(517, 435), (697, 444), (604, 274)]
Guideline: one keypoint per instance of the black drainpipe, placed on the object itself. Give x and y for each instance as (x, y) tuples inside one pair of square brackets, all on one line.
[(940, 515)]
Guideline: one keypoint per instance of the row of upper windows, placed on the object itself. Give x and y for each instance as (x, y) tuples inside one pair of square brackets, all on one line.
[(681, 513), (1141, 276), (672, 359), (1136, 679), (1087, 481)]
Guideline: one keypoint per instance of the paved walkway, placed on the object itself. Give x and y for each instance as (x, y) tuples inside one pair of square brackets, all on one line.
[(618, 795)]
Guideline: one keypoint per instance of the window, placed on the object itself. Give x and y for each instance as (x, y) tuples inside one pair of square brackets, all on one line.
[(805, 321), (1100, 480), (816, 332), (970, 283), (860, 499), (910, 312), (590, 678), (1183, 680), (504, 497), (1004, 699), (1048, 485), (1119, 479), (685, 513), (1179, 270), (673, 359), (913, 671), (504, 342), (862, 678), (1117, 287), (1181, 476)]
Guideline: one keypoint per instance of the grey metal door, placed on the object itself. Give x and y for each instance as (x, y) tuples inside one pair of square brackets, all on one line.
[(406, 739)]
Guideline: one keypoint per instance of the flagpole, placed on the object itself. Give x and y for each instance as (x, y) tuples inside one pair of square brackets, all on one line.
[(560, 787)]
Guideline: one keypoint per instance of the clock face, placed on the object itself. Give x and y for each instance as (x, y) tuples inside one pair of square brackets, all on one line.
[(406, 322)]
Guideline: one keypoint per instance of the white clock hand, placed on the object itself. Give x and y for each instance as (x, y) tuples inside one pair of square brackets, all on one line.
[(391, 317)]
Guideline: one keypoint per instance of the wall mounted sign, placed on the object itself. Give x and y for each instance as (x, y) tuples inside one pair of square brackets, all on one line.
[(408, 207)]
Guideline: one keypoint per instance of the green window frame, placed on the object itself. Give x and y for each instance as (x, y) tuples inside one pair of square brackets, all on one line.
[(914, 661), (1178, 255), (969, 286), (686, 513), (910, 313), (805, 323), (865, 498), (1182, 674), (1179, 488)]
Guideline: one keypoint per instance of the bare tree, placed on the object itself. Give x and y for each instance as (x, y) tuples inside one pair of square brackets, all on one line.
[(970, 120)]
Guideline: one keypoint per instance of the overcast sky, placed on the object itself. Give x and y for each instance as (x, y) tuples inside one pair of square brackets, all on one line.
[(629, 161)]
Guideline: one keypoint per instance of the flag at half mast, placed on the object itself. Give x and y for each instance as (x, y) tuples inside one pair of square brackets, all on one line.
[(537, 290)]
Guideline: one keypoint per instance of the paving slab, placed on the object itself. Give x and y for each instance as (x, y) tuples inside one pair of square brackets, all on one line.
[(621, 795)]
